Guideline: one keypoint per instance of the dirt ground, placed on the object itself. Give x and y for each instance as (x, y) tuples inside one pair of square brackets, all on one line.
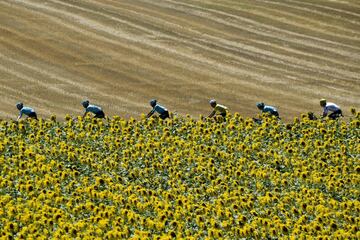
[(121, 53)]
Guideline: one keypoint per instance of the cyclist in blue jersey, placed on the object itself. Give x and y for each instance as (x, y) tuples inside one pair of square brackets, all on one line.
[(25, 110), (267, 109), (99, 113), (162, 111)]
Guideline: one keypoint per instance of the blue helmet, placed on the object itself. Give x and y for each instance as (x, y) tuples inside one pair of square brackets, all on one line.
[(19, 105), (85, 103), (153, 102), (260, 105)]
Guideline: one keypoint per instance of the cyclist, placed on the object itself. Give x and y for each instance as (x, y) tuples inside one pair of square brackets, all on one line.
[(25, 110), (162, 111), (99, 113)]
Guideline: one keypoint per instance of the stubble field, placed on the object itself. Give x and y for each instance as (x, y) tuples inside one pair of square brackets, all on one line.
[(120, 54)]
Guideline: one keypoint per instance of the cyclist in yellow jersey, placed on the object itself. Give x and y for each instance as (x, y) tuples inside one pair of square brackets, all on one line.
[(218, 109)]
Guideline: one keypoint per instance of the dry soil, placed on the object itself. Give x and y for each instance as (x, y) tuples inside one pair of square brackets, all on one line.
[(121, 53)]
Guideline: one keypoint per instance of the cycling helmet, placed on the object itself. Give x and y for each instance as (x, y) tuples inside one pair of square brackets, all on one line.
[(19, 105), (153, 102), (212, 102), (260, 105), (85, 103), (323, 102)]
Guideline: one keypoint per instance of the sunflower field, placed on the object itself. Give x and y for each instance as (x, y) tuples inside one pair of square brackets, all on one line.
[(180, 178)]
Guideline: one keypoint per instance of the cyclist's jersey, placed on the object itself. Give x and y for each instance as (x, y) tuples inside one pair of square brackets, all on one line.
[(93, 109), (332, 107)]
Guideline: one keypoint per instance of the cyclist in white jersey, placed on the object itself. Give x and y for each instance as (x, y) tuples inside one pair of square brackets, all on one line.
[(330, 107)]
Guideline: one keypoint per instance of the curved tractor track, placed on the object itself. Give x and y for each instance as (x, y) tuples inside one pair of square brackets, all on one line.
[(120, 54)]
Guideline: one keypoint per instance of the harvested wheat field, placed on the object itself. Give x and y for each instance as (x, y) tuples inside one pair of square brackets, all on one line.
[(122, 53)]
